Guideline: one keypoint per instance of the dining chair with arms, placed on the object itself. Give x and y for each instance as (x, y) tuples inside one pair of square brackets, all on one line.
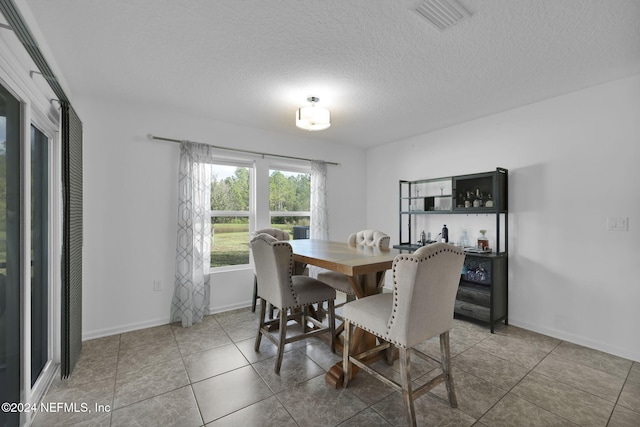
[(341, 281), (421, 306), (278, 234), (285, 291)]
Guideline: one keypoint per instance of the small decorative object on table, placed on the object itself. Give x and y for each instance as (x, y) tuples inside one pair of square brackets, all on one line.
[(483, 242)]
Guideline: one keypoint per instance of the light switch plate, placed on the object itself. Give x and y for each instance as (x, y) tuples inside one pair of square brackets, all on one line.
[(618, 223)]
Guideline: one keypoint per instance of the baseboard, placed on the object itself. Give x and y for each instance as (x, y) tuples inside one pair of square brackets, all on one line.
[(100, 333), (577, 339), (221, 309)]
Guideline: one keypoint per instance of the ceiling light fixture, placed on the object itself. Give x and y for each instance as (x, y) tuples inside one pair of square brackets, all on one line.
[(313, 118)]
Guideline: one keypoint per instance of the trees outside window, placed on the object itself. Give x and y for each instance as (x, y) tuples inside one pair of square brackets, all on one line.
[(232, 213)]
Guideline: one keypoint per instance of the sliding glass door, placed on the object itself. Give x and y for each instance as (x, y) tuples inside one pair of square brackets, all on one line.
[(39, 252), (10, 254), (28, 218)]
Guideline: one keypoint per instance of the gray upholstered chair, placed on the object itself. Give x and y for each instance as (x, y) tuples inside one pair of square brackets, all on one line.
[(278, 234), (278, 286), (340, 281), (421, 307)]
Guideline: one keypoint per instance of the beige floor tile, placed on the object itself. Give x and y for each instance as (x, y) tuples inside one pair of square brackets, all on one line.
[(630, 396), (475, 396), (515, 349), (93, 367), (79, 403), (149, 381), (634, 373), (200, 337), (530, 338), (513, 411), (502, 373), (176, 408), (266, 413), (366, 418), (213, 362), (595, 359), (430, 412), (582, 377), (147, 337), (229, 392), (623, 417), (296, 367), (563, 400), (101, 346), (169, 375), (135, 358), (368, 388), (315, 403)]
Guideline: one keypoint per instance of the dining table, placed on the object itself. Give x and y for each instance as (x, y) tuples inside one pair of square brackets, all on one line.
[(365, 266)]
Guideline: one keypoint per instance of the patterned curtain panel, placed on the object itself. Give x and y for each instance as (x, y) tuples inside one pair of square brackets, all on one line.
[(193, 250), (319, 222), (319, 228)]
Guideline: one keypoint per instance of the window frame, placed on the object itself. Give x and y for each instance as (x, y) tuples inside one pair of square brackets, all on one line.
[(294, 168), (250, 214)]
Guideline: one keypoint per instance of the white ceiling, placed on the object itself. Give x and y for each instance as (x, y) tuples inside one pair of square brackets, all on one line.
[(381, 69)]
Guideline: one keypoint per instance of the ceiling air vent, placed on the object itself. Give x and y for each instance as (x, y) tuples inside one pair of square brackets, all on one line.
[(442, 14)]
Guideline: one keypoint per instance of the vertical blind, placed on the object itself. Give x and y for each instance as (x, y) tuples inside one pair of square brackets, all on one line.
[(71, 239)]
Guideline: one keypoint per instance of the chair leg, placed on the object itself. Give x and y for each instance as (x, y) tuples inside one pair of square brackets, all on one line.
[(407, 393), (346, 366), (303, 319), (255, 294), (281, 342), (445, 351), (263, 305), (332, 323)]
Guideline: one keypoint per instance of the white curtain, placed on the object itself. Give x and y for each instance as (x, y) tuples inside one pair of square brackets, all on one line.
[(193, 250), (319, 222)]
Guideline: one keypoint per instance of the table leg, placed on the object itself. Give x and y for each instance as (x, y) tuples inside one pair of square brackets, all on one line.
[(361, 340)]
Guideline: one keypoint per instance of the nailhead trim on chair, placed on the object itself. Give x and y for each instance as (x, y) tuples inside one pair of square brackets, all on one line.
[(291, 264), (395, 285), (290, 267)]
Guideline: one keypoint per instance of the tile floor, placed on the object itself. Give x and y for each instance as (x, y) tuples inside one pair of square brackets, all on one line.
[(210, 375)]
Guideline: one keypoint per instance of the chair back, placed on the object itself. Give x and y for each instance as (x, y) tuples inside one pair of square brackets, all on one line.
[(424, 293), (370, 238), (274, 266), (274, 232)]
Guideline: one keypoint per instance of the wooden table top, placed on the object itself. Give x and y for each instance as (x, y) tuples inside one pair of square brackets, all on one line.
[(342, 257)]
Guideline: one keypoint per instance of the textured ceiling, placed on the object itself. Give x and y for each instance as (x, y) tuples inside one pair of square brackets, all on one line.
[(381, 69)]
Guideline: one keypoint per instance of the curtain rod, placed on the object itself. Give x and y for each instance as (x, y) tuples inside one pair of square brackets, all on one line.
[(160, 138)]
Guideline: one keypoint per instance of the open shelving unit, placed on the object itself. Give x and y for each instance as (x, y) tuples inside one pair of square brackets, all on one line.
[(483, 290)]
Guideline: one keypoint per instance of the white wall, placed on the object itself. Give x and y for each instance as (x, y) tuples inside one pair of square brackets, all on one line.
[(573, 162), (130, 207)]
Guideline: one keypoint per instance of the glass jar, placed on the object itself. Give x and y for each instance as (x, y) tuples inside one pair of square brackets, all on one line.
[(464, 239), (483, 241)]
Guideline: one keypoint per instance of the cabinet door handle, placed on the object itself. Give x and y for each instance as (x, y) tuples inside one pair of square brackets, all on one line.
[(465, 308)]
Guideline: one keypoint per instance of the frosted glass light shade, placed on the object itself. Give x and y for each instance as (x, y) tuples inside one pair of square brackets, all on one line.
[(313, 118)]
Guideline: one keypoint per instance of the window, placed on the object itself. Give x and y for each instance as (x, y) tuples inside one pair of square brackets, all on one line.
[(239, 201), (289, 199), (230, 214)]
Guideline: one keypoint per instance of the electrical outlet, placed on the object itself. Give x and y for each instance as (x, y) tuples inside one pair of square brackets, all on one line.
[(157, 285)]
